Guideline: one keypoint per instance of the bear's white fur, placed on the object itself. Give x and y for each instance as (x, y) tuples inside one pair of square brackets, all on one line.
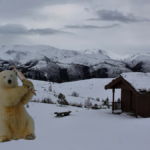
[(15, 122)]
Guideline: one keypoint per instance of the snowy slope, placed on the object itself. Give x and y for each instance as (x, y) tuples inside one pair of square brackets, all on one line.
[(102, 52), (93, 88), (85, 59), (28, 53), (24, 54), (83, 130), (138, 57), (52, 64), (139, 62)]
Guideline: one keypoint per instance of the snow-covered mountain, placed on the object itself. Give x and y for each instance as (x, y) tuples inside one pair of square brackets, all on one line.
[(24, 54), (139, 62), (52, 64), (102, 52)]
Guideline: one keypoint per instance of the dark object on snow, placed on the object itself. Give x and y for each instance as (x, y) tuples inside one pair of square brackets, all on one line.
[(62, 99), (62, 114), (95, 106), (132, 100)]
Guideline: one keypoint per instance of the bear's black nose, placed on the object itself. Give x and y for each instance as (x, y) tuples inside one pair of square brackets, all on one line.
[(9, 81)]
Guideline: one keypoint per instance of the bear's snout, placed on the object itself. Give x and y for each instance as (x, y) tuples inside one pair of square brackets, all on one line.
[(9, 81)]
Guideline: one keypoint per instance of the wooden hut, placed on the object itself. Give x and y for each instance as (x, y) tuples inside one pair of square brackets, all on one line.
[(135, 93)]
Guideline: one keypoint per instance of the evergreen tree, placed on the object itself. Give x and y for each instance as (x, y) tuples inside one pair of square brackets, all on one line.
[(62, 99)]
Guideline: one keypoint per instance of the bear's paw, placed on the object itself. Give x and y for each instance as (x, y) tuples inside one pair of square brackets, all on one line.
[(29, 137), (4, 139), (28, 83)]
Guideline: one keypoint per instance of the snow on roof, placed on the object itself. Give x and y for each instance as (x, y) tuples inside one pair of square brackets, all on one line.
[(139, 81)]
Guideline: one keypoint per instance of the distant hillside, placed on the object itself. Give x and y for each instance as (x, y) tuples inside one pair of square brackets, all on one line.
[(139, 62), (52, 64)]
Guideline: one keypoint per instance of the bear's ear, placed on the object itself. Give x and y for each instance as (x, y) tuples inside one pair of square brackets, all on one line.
[(14, 71)]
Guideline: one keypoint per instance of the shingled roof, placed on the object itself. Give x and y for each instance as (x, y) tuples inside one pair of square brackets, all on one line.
[(140, 82)]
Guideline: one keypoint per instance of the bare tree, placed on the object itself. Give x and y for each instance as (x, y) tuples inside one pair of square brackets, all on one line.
[(88, 104), (50, 88)]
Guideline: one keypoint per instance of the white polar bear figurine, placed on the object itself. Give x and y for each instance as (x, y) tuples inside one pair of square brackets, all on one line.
[(15, 122)]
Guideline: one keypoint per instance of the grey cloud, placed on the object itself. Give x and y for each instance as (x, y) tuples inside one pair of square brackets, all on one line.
[(109, 15), (46, 31), (18, 29), (90, 26), (28, 8), (87, 9)]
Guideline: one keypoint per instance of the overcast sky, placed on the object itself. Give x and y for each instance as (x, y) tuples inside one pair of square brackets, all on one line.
[(120, 26)]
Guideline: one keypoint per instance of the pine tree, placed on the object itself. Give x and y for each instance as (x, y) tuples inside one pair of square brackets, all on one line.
[(62, 99)]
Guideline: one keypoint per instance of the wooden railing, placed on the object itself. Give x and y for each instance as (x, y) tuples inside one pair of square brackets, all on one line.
[(117, 105)]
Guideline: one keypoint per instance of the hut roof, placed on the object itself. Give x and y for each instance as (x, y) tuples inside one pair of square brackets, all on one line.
[(139, 81)]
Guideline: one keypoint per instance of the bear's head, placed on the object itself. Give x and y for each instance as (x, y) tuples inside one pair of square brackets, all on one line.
[(8, 79)]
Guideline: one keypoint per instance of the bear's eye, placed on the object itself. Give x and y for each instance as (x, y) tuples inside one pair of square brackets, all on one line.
[(4, 77)]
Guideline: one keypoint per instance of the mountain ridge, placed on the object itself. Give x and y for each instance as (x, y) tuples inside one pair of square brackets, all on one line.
[(52, 64)]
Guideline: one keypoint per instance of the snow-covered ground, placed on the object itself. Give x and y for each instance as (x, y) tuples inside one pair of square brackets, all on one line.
[(83, 130), (93, 88)]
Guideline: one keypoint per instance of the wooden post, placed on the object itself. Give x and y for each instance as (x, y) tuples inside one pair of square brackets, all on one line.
[(113, 97)]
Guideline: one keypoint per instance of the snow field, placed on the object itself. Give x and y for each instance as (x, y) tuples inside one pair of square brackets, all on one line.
[(83, 130), (93, 88)]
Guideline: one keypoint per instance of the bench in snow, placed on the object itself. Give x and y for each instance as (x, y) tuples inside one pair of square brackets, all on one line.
[(61, 114)]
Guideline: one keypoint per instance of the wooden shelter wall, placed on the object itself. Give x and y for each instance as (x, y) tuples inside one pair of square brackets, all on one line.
[(148, 105), (133, 102), (125, 100), (144, 105)]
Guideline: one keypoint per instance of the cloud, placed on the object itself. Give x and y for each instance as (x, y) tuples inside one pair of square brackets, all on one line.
[(87, 9), (110, 15), (27, 8), (90, 26), (18, 29), (46, 31)]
